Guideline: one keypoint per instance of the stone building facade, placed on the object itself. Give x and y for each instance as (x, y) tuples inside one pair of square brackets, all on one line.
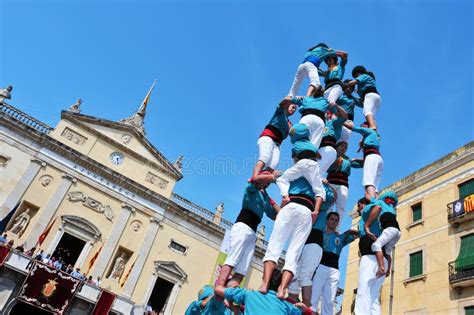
[(433, 264), (103, 187)]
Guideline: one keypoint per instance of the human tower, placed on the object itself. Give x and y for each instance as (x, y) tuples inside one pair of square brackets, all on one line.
[(314, 193)]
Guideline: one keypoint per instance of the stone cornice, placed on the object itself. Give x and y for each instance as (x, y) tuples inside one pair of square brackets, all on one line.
[(447, 163), (79, 119)]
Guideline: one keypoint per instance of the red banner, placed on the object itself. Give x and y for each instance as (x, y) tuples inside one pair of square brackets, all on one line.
[(4, 251), (104, 303), (48, 288)]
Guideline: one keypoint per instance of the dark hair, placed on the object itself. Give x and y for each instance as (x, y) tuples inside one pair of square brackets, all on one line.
[(275, 280), (363, 201), (362, 70), (332, 57), (341, 142), (332, 213), (318, 91), (318, 45)]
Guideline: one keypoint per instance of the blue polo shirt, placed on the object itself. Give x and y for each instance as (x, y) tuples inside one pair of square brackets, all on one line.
[(364, 81), (309, 102), (370, 136), (257, 303), (258, 202)]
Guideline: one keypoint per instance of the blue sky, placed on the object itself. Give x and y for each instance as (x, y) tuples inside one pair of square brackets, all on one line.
[(222, 67)]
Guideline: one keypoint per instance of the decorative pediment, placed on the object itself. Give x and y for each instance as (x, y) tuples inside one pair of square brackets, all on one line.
[(82, 224), (170, 269), (100, 127)]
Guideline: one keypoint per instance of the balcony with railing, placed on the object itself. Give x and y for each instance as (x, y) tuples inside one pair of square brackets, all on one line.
[(24, 118), (461, 274), (461, 210)]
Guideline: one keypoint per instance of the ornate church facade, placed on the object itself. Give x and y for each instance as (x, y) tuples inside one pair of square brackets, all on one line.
[(100, 195)]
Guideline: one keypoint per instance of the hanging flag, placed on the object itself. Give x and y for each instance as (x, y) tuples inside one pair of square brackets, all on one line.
[(147, 97), (128, 273), (45, 233), (94, 258), (4, 222)]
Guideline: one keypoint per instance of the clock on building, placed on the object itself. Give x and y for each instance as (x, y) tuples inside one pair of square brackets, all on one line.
[(116, 158)]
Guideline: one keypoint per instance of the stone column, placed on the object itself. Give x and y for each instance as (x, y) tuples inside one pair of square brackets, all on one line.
[(20, 187), (172, 299), (109, 246), (48, 211), (84, 253), (142, 256)]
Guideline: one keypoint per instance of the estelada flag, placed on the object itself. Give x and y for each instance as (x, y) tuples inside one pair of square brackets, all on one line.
[(45, 233), (93, 259), (128, 273)]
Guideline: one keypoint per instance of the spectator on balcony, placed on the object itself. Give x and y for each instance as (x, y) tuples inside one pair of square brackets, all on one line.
[(38, 257), (97, 282), (77, 274), (46, 259), (31, 251), (20, 248), (3, 239), (69, 269), (10, 244), (57, 263)]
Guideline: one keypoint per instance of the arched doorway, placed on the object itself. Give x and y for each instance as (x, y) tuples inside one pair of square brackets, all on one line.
[(74, 240)]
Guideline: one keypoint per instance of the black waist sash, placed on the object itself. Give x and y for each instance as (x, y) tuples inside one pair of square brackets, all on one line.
[(304, 200), (338, 178), (370, 150), (328, 141), (312, 111), (306, 154), (315, 237), (389, 220), (332, 82), (250, 218), (330, 260), (368, 90), (365, 244)]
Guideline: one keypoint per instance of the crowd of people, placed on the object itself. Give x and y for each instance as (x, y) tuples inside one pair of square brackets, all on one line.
[(48, 259), (314, 193)]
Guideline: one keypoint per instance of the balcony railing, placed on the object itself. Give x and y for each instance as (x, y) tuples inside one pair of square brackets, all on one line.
[(457, 274), (460, 209), (203, 212), (24, 118)]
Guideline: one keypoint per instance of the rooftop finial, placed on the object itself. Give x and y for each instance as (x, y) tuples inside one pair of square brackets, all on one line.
[(142, 109), (5, 94), (137, 119), (179, 163), (76, 107)]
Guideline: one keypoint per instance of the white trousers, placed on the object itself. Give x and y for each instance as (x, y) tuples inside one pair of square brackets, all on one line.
[(268, 152), (242, 247), (325, 283), (372, 103), (328, 156), (316, 128), (389, 238), (306, 69), (307, 168), (341, 200), (333, 93), (345, 134), (309, 261), (373, 169), (368, 292), (292, 223)]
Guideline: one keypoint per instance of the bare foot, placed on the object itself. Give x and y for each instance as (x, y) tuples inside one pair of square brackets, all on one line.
[(380, 272), (263, 289), (281, 294)]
